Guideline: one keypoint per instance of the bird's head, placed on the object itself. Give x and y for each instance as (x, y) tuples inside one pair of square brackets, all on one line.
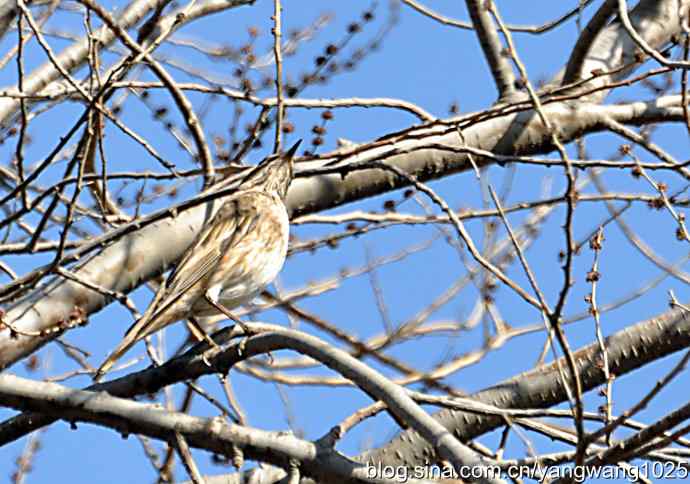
[(273, 173)]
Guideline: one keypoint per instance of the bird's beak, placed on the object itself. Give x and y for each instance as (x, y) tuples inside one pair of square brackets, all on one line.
[(291, 152)]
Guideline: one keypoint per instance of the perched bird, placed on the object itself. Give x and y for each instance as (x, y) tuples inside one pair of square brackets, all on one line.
[(239, 252)]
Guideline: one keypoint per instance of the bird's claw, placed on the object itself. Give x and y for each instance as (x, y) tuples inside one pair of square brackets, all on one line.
[(204, 358), (242, 346)]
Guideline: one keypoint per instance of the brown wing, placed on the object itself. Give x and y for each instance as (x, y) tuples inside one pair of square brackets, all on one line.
[(229, 226)]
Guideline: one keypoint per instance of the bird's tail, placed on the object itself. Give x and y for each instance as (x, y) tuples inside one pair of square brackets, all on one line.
[(141, 328), (131, 337)]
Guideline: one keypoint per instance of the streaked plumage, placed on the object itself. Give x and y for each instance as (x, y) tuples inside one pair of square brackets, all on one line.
[(236, 255)]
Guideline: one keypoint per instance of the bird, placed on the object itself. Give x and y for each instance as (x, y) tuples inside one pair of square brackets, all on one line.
[(239, 252)]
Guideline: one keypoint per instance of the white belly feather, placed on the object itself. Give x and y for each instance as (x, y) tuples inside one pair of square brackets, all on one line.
[(266, 268)]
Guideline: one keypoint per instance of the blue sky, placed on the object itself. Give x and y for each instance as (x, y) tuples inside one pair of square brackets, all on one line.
[(432, 66)]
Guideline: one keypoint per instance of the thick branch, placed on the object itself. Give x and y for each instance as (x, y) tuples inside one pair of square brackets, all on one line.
[(484, 27), (8, 12), (425, 153), (542, 387), (215, 435), (77, 54), (595, 25), (428, 152), (628, 350), (656, 21), (51, 401), (73, 56)]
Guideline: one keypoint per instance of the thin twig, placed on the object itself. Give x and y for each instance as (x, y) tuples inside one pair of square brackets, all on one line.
[(280, 108)]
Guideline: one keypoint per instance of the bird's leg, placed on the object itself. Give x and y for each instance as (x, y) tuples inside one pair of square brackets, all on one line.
[(198, 332), (227, 312)]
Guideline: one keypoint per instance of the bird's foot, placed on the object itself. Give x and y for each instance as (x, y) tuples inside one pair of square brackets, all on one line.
[(247, 330), (204, 357)]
